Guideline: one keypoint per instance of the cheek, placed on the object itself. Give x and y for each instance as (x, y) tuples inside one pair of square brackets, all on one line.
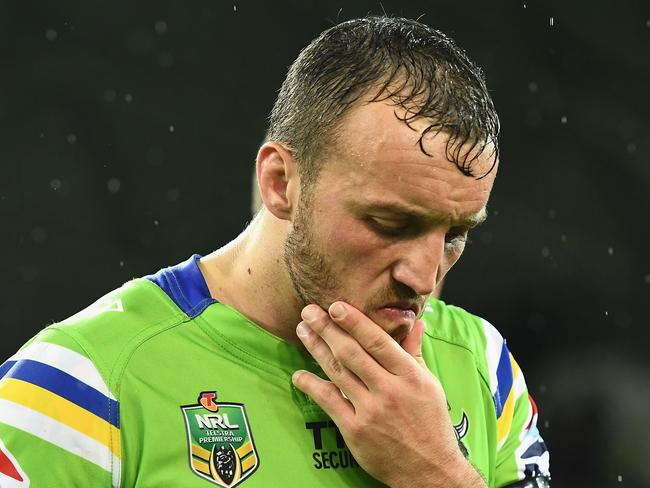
[(352, 244)]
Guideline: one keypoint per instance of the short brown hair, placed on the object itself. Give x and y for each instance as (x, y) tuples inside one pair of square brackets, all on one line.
[(417, 67)]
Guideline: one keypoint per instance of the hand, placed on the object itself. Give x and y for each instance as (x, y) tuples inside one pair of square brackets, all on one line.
[(391, 411)]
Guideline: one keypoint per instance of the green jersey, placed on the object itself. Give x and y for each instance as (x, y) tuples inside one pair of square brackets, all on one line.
[(157, 384)]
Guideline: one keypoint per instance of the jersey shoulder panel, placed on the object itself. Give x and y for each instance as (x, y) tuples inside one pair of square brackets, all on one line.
[(114, 326), (56, 406), (60, 393), (455, 325), (521, 451)]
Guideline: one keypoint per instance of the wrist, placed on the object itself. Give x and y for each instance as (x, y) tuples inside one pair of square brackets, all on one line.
[(455, 473)]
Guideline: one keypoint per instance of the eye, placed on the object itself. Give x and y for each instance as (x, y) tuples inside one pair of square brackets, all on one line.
[(456, 237), (388, 227)]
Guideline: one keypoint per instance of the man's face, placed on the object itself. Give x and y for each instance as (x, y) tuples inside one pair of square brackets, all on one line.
[(384, 222)]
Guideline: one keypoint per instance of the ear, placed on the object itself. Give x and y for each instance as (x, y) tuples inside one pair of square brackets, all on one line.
[(278, 179)]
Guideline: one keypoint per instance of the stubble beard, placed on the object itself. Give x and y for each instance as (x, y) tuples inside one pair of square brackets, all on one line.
[(313, 277), (310, 272)]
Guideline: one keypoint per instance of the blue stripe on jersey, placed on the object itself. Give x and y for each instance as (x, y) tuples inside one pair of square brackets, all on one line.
[(64, 385), (504, 379), (185, 285), (6, 366)]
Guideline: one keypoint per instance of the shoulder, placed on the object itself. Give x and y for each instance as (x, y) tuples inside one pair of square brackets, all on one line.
[(117, 323), (493, 359)]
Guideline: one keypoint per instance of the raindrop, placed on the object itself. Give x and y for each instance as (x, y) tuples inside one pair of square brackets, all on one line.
[(551, 213), (41, 135), (38, 234), (113, 185), (631, 147), (173, 195), (551, 21), (647, 23), (71, 138), (128, 98), (56, 184), (620, 478), (51, 35), (532, 87), (563, 238), (547, 424), (155, 222), (110, 95), (160, 27), (234, 8), (171, 128), (610, 251), (524, 5), (563, 119), (121, 264), (606, 313), (495, 212), (543, 388), (546, 252), (647, 279)]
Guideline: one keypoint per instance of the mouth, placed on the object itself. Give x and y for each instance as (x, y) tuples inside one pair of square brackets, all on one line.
[(400, 317), (407, 307)]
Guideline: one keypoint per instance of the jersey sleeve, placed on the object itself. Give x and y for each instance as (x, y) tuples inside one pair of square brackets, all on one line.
[(59, 423), (522, 457)]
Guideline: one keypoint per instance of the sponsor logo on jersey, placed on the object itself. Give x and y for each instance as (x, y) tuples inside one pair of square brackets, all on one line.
[(220, 443), (461, 429), (330, 451), (11, 474)]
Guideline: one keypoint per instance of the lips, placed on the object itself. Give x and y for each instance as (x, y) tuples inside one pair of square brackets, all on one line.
[(405, 306)]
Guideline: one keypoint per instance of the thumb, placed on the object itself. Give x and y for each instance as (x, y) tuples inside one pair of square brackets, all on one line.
[(412, 343)]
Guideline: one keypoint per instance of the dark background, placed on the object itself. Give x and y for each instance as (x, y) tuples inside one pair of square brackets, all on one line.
[(128, 132)]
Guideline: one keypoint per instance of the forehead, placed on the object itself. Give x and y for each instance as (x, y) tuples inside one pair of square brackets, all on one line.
[(377, 158)]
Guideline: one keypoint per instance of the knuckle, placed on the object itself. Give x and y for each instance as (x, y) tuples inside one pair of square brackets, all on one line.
[(376, 345), (334, 366)]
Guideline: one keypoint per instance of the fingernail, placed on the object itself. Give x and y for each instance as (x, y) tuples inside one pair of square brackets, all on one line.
[(295, 376), (309, 313), (337, 310), (302, 330)]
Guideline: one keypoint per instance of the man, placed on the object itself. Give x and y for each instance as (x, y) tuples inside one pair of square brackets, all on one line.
[(308, 352)]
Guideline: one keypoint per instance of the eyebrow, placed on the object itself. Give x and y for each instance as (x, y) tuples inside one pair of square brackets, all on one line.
[(399, 210)]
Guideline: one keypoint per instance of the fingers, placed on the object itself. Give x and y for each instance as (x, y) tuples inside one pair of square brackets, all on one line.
[(326, 394), (347, 381), (343, 347), (373, 339), (412, 343)]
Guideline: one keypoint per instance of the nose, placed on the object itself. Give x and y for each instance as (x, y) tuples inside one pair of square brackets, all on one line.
[(420, 262)]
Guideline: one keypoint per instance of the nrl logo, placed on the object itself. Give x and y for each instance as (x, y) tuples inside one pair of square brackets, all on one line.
[(220, 443)]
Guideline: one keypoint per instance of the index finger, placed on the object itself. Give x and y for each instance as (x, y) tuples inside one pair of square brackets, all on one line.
[(375, 340)]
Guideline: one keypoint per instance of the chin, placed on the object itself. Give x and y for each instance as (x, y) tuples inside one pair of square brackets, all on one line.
[(398, 330)]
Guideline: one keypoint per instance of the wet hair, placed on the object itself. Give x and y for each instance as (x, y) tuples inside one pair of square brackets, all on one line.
[(377, 58)]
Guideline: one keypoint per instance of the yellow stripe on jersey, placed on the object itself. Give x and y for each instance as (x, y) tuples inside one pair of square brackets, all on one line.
[(504, 422), (198, 451), (62, 410), (201, 466), (248, 463)]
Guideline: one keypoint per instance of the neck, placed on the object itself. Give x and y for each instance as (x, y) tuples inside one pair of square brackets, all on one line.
[(249, 275)]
